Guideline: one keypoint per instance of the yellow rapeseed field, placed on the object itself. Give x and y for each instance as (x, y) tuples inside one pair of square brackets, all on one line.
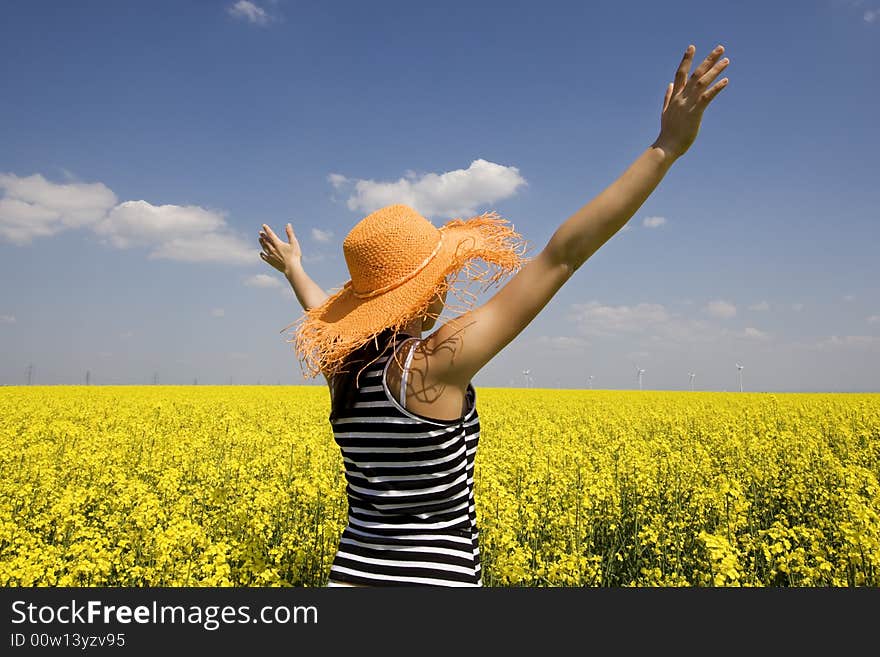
[(243, 486)]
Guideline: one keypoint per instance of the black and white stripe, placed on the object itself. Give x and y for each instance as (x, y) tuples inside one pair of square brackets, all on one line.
[(411, 518)]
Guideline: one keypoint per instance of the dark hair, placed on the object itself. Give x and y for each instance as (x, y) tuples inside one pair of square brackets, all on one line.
[(345, 381)]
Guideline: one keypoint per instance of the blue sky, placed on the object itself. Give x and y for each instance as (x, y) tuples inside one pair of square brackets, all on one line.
[(143, 144)]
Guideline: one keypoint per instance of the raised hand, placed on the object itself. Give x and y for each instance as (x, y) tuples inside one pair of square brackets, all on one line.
[(687, 98), (278, 253)]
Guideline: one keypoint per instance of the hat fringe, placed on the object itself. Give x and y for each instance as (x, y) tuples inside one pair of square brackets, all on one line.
[(323, 349)]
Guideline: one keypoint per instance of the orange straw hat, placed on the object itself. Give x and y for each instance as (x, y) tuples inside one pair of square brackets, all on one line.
[(399, 263)]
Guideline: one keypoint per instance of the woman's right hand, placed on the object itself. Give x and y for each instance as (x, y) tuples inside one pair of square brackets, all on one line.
[(278, 253), (687, 98)]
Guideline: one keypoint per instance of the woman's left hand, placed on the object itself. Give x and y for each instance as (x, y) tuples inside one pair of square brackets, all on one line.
[(687, 98), (278, 253)]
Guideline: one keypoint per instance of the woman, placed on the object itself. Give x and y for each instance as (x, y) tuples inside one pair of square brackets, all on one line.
[(403, 407)]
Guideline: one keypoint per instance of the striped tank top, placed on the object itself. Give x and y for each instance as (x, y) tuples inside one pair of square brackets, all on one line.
[(410, 487)]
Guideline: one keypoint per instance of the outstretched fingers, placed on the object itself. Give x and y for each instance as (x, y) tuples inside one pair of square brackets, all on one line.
[(271, 234), (707, 63), (268, 242), (709, 77), (707, 96), (706, 73), (682, 72)]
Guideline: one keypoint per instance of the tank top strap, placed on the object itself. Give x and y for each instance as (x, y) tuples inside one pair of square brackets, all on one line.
[(405, 371)]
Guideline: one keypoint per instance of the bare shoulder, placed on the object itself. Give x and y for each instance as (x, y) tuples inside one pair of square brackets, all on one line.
[(425, 394), (462, 346)]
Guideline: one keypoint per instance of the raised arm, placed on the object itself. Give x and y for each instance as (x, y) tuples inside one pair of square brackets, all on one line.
[(286, 257), (308, 293), (456, 351)]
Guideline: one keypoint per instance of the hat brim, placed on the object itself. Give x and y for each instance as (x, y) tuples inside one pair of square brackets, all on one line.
[(324, 335)]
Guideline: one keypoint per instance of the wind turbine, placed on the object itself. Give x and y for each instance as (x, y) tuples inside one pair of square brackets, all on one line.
[(692, 375), (639, 373), (590, 379), (528, 378), (740, 368)]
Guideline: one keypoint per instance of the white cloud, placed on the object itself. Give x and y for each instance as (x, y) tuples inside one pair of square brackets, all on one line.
[(872, 15), (212, 247), (252, 13), (593, 318), (138, 223), (321, 235), (651, 320), (21, 222), (218, 312), (653, 222), (262, 280), (762, 305), (654, 324), (721, 309), (843, 342), (337, 180), (849, 297), (797, 307), (35, 207), (451, 194), (184, 233), (563, 342), (874, 319), (7, 319)]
